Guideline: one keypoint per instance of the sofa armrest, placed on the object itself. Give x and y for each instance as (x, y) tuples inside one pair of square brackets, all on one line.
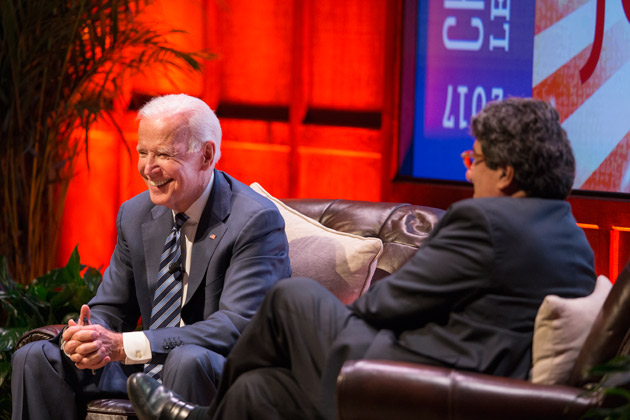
[(42, 333), (372, 389)]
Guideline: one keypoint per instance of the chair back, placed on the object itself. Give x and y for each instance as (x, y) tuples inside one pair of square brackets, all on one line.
[(610, 334), (401, 227)]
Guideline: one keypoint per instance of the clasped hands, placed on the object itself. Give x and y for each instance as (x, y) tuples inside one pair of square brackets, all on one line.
[(91, 346)]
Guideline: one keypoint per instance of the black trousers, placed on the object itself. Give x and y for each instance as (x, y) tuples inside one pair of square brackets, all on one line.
[(285, 364)]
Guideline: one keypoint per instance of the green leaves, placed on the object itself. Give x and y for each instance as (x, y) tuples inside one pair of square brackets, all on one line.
[(614, 388), (53, 298)]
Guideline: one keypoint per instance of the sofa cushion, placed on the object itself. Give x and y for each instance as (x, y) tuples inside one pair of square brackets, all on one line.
[(342, 262), (560, 330), (402, 227)]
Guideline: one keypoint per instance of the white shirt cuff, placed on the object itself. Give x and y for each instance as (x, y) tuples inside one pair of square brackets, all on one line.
[(137, 348)]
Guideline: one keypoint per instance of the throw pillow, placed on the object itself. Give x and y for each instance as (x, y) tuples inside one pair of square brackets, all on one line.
[(341, 262), (560, 330)]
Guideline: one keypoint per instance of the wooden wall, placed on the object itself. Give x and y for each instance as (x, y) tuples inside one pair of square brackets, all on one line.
[(307, 93)]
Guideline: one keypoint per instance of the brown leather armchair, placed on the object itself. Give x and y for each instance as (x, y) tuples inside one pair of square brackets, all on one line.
[(378, 390), (401, 227)]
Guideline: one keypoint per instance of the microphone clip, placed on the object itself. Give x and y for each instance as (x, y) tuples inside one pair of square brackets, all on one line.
[(175, 268)]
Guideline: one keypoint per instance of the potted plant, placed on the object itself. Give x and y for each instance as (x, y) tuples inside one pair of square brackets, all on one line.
[(63, 64)]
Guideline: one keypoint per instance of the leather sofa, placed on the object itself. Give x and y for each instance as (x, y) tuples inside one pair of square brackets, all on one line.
[(377, 390), (401, 227)]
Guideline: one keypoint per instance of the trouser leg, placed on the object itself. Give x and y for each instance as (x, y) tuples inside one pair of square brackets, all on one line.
[(38, 386), (45, 384), (293, 329), (263, 394), (193, 372)]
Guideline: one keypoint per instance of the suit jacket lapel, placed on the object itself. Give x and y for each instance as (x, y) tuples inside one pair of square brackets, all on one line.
[(210, 230), (154, 233)]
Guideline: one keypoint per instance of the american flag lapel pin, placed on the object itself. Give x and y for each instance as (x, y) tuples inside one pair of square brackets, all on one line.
[(212, 236)]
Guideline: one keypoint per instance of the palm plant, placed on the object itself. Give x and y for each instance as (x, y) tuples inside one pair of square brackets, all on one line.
[(63, 64)]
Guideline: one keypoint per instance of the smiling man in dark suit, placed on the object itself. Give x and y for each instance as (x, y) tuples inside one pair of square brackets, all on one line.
[(467, 299), (195, 255)]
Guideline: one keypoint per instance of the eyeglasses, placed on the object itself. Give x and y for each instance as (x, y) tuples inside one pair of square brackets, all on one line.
[(469, 157)]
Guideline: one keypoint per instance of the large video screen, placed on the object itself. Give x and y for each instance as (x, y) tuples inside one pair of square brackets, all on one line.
[(461, 54)]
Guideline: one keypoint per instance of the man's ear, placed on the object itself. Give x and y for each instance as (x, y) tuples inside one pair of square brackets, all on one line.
[(506, 179), (207, 151)]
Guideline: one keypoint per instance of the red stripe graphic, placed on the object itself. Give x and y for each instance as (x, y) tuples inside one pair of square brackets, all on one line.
[(611, 173), (564, 88), (549, 12)]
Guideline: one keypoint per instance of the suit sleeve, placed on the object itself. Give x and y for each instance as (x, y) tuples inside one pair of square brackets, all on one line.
[(115, 305), (453, 265), (260, 257)]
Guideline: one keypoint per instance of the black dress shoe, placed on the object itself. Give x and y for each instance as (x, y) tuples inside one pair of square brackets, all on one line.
[(152, 401)]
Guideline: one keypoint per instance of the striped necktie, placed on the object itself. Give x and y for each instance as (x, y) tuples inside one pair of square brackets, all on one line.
[(167, 301)]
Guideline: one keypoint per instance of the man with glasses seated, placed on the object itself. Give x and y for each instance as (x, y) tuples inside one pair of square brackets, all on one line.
[(467, 299)]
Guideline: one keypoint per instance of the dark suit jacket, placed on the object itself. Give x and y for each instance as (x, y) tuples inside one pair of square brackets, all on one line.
[(469, 297), (240, 250)]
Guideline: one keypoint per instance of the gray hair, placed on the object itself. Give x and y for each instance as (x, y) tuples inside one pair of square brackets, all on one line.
[(203, 124)]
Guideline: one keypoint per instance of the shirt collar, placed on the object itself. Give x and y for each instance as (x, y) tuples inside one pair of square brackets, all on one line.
[(195, 210)]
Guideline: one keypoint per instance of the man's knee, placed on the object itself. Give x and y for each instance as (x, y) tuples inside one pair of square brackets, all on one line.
[(296, 289), (21, 355), (28, 351), (191, 361), (35, 354)]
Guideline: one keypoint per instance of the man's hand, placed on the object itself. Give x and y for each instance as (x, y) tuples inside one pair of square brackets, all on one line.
[(91, 346)]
